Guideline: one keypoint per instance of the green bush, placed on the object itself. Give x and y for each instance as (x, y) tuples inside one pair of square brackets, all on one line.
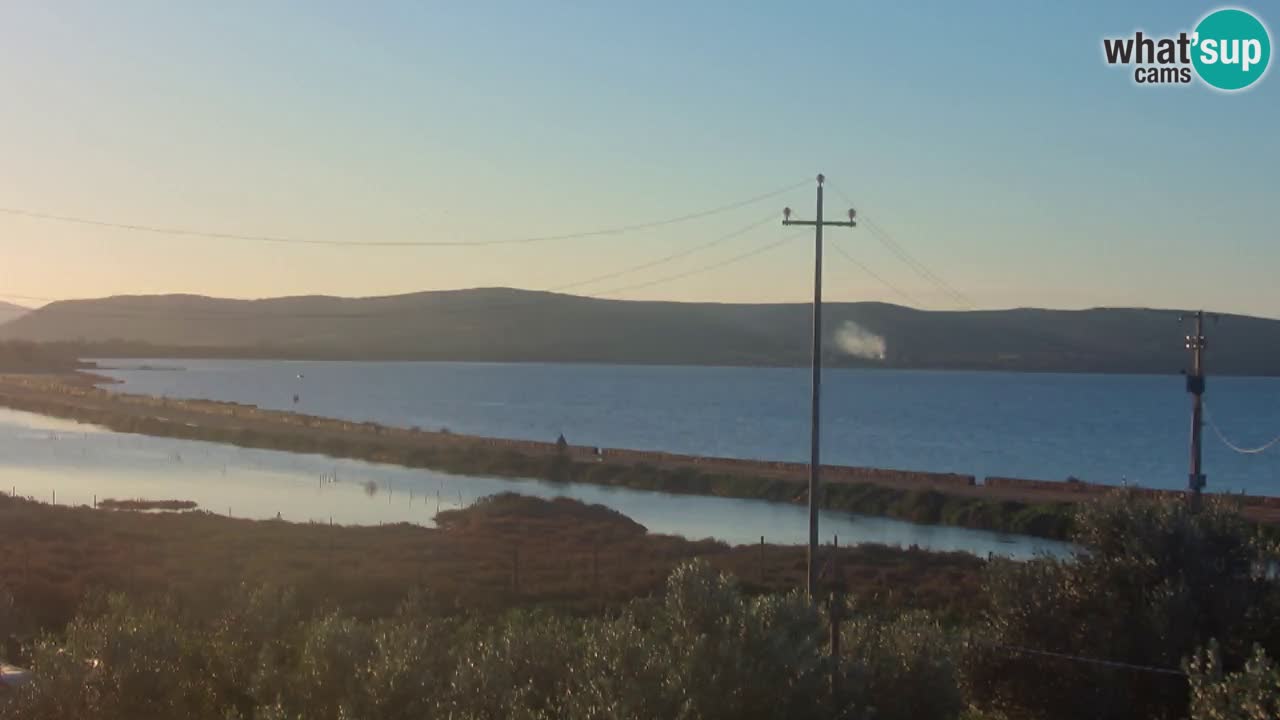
[(1152, 582), (903, 669)]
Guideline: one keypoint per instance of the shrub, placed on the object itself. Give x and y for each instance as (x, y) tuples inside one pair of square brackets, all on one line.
[(1152, 582), (124, 663), (902, 669), (1252, 693)]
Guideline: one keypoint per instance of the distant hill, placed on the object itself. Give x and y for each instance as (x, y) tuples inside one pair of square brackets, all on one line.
[(499, 324), (9, 311)]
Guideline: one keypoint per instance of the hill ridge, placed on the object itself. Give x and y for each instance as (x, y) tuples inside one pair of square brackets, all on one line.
[(513, 325)]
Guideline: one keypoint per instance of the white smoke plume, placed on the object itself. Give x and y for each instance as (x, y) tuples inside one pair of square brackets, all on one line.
[(860, 342)]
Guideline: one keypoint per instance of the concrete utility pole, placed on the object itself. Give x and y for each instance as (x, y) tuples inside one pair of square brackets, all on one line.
[(1195, 385), (815, 460)]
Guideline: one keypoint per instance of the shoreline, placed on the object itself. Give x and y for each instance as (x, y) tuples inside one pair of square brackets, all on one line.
[(1025, 507), (170, 353)]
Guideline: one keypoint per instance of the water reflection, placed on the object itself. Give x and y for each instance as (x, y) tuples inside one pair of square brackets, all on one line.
[(42, 457)]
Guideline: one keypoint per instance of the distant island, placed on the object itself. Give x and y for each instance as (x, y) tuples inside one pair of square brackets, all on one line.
[(507, 325)]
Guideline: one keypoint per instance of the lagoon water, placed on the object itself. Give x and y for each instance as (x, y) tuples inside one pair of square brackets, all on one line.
[(70, 463), (1102, 428)]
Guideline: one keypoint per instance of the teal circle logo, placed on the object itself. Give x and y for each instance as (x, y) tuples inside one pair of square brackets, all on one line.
[(1232, 49)]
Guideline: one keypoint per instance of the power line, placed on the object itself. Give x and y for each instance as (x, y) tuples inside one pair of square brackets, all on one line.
[(1115, 664), (11, 296), (186, 232), (909, 260), (861, 265), (704, 268), (210, 313), (920, 268), (1241, 450), (666, 258), (154, 312)]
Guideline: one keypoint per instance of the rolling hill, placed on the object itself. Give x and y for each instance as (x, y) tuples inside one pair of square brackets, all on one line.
[(9, 311), (500, 324)]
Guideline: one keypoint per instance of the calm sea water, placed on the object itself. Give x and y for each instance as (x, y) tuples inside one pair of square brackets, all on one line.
[(70, 463), (1102, 428)]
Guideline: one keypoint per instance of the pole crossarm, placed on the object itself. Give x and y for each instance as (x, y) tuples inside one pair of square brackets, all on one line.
[(825, 223)]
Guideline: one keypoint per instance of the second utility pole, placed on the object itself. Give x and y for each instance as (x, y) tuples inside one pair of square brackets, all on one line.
[(815, 460), (1195, 385)]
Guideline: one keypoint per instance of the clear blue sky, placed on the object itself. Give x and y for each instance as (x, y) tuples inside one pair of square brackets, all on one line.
[(988, 137)]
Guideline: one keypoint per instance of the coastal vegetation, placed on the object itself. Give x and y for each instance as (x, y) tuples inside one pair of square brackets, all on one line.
[(1164, 613)]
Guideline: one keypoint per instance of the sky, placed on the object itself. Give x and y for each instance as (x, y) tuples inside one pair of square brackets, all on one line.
[(987, 139)]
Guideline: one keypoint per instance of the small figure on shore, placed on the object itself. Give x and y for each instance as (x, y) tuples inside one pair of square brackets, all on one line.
[(562, 445)]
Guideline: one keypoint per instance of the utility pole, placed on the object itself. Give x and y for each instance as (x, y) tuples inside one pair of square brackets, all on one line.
[(1195, 385), (815, 423)]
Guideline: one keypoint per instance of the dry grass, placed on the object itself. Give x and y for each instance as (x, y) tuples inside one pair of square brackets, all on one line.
[(569, 555)]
